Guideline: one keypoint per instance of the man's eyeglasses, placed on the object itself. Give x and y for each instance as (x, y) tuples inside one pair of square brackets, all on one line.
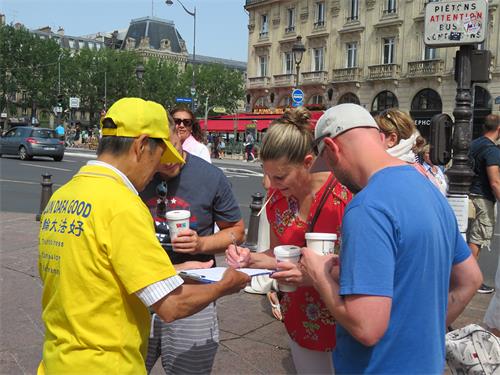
[(317, 144), (185, 121)]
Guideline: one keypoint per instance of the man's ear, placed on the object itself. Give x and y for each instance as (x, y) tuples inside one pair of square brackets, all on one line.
[(140, 146), (332, 148)]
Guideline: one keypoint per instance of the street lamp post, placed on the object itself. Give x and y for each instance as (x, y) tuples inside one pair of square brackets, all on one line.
[(298, 50), (139, 73), (193, 14)]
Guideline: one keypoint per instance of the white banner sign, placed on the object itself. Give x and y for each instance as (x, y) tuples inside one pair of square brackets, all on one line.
[(453, 23)]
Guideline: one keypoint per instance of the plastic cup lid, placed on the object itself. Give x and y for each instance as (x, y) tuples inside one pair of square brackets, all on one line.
[(321, 236), (178, 215), (287, 251)]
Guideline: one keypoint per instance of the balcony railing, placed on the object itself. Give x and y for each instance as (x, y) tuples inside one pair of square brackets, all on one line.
[(314, 77), (289, 29), (347, 75), (255, 82), (287, 79), (384, 71), (263, 34), (425, 68), (319, 24)]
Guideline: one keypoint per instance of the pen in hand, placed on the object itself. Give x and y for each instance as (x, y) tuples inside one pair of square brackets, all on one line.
[(235, 244)]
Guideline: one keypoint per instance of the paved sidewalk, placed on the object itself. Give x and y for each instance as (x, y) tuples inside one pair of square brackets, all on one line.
[(252, 341)]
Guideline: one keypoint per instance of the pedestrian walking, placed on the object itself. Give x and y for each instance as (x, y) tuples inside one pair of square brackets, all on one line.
[(406, 272), (249, 142), (60, 131), (300, 202), (99, 260), (204, 190), (485, 188), (189, 131)]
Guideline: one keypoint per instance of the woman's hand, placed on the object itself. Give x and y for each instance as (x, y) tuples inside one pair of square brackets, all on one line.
[(288, 273), (238, 257)]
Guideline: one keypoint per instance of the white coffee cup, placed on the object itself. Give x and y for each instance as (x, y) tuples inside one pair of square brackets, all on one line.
[(177, 221), (321, 243), (287, 253)]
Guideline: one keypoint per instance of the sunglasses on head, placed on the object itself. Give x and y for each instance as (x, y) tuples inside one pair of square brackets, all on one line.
[(316, 144), (185, 122)]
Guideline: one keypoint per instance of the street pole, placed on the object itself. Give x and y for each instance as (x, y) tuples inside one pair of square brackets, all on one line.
[(206, 113), (58, 88), (192, 14), (105, 90), (297, 77), (193, 84), (460, 175)]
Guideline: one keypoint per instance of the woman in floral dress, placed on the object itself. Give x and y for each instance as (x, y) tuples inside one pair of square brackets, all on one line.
[(287, 154)]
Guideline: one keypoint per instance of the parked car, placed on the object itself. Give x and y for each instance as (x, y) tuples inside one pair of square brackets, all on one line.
[(29, 141)]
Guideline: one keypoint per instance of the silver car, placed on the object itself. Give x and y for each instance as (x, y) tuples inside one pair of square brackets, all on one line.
[(29, 141)]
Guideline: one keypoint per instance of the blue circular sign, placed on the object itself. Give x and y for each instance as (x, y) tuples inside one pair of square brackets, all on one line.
[(297, 95)]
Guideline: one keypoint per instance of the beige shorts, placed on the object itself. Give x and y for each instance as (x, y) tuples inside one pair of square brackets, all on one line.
[(481, 227)]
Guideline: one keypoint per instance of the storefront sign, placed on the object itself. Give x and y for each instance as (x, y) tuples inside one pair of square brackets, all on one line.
[(454, 23)]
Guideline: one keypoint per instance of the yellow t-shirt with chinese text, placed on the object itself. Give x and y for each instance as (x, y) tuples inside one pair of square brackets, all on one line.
[(97, 247)]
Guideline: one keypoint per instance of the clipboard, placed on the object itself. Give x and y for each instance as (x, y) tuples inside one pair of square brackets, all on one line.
[(214, 274)]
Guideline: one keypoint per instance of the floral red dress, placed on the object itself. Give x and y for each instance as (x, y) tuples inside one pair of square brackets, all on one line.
[(307, 319)]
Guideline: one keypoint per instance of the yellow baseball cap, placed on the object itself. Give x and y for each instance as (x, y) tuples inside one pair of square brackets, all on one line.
[(134, 117)]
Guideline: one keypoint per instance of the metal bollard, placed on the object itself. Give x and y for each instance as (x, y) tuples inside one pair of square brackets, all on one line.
[(253, 225), (46, 193)]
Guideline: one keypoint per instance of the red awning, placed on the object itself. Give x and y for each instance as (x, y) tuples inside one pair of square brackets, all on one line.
[(227, 123)]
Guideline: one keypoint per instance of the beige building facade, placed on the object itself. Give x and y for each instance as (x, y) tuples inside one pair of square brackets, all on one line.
[(370, 52)]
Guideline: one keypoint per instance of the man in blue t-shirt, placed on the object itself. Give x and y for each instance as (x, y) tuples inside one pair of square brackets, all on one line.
[(405, 270), (60, 131), (189, 345), (485, 187)]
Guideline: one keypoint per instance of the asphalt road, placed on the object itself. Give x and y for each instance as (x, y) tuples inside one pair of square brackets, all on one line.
[(20, 188)]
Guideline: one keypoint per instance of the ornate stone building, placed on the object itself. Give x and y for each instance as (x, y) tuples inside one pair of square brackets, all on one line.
[(369, 52)]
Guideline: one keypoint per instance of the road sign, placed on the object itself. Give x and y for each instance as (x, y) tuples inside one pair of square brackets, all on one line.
[(3, 115), (296, 104), (183, 100), (74, 102), (297, 95), (454, 23)]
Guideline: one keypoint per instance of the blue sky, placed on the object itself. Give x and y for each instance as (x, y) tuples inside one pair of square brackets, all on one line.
[(221, 25)]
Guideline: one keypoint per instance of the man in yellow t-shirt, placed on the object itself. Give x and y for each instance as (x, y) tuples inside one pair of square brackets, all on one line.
[(99, 259)]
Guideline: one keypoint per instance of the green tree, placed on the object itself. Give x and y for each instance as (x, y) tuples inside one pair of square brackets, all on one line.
[(28, 66), (223, 86)]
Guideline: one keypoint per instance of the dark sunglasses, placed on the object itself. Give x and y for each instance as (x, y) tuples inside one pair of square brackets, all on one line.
[(185, 122), (316, 144)]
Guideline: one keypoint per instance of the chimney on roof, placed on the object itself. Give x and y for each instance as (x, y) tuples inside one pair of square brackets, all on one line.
[(60, 31)]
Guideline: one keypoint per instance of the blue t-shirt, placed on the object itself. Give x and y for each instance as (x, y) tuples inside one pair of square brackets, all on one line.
[(399, 239), (201, 188), (484, 153), (59, 130)]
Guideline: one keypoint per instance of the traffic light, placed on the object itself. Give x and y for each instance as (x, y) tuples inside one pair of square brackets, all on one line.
[(60, 98)]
